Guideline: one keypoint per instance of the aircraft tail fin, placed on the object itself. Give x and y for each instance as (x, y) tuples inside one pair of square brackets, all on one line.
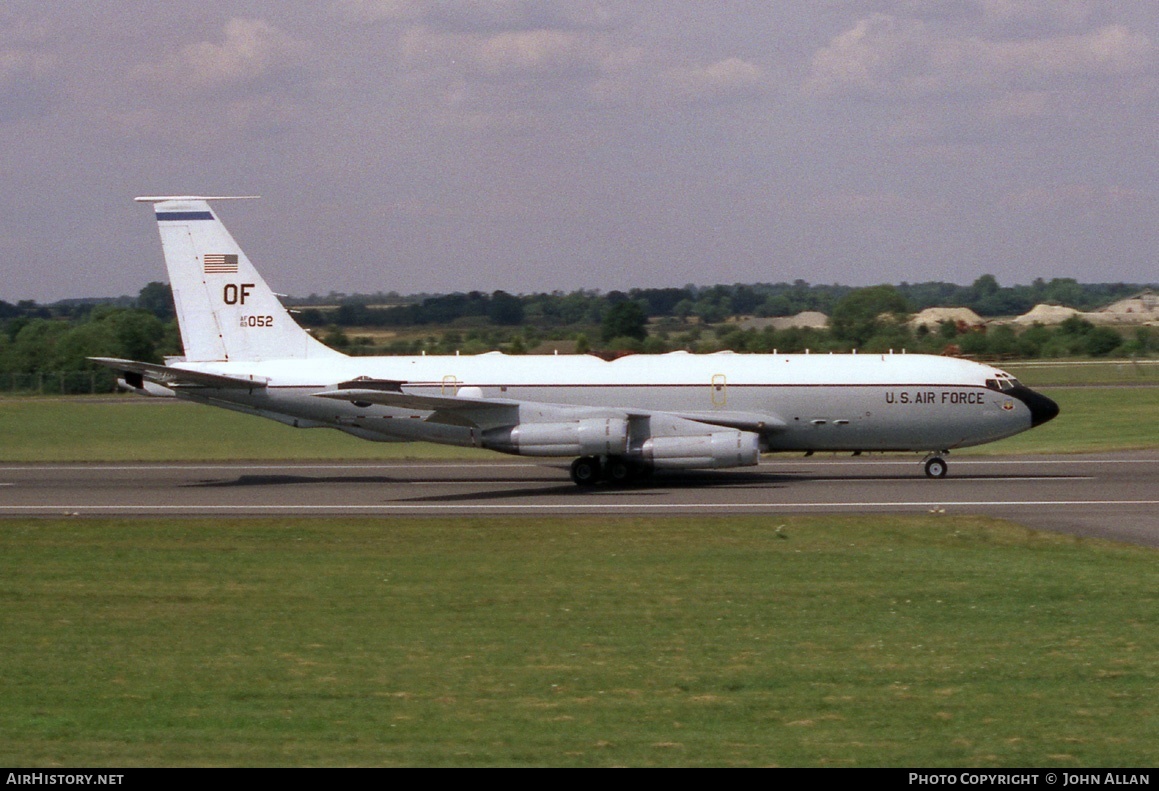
[(224, 308)]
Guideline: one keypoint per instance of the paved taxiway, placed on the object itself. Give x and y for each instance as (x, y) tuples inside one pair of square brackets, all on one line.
[(1108, 495)]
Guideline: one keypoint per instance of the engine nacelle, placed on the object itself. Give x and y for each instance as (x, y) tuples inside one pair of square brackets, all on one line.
[(588, 437), (702, 451)]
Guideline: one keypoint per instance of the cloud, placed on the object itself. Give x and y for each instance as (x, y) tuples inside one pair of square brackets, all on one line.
[(728, 77), (507, 76), (1076, 198), (1063, 12), (530, 52), (534, 50), (253, 80), (850, 205), (871, 57), (652, 82), (885, 56), (484, 17), (251, 54), (1023, 105), (1110, 50), (381, 10), (27, 90)]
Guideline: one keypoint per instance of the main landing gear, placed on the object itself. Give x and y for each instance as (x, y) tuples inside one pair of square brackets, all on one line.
[(936, 466), (590, 470), (585, 471)]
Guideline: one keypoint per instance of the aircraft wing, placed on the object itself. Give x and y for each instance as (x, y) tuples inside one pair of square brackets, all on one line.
[(179, 377), (492, 412), (481, 413), (756, 422), (415, 401)]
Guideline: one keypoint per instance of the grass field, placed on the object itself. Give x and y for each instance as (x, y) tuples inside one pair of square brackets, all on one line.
[(1092, 419), (793, 641), (1047, 373), (137, 429), (923, 641)]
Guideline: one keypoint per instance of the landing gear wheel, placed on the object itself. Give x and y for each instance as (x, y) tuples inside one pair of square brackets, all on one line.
[(618, 471), (585, 471), (937, 467)]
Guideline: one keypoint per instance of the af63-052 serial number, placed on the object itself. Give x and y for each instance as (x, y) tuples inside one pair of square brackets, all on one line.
[(257, 321)]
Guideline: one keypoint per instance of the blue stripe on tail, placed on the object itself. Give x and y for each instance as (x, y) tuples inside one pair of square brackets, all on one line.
[(183, 215)]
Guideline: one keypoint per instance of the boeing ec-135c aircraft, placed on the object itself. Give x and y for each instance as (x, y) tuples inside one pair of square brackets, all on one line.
[(619, 419)]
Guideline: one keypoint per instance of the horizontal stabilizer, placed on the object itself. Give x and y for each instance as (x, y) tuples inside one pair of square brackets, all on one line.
[(179, 377), (163, 198)]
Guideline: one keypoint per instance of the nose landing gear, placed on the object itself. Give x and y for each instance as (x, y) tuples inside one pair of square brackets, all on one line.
[(936, 466)]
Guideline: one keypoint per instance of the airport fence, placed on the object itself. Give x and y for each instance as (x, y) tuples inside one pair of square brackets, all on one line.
[(58, 382)]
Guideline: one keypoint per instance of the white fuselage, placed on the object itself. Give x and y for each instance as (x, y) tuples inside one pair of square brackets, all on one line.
[(855, 402)]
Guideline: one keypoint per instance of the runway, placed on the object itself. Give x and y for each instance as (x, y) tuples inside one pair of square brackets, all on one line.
[(1107, 495)]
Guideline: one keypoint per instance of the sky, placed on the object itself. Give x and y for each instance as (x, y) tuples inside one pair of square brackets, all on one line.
[(458, 145)]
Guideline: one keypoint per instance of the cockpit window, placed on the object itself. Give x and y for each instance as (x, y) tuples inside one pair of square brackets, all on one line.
[(1003, 384)]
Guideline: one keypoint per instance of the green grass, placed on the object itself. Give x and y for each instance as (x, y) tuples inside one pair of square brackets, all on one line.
[(1085, 372), (139, 429), (923, 641), (1091, 420)]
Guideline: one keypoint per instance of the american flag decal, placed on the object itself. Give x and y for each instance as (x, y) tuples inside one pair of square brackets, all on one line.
[(220, 264)]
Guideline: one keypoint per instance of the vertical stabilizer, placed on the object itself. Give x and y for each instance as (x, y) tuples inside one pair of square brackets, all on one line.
[(224, 308)]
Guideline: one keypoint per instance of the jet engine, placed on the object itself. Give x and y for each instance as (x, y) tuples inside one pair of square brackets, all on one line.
[(588, 437), (702, 451)]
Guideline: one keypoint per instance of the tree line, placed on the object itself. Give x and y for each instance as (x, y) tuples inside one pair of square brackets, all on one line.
[(45, 347), (707, 304)]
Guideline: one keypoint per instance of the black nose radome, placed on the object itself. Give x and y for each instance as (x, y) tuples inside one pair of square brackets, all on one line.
[(1042, 409)]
